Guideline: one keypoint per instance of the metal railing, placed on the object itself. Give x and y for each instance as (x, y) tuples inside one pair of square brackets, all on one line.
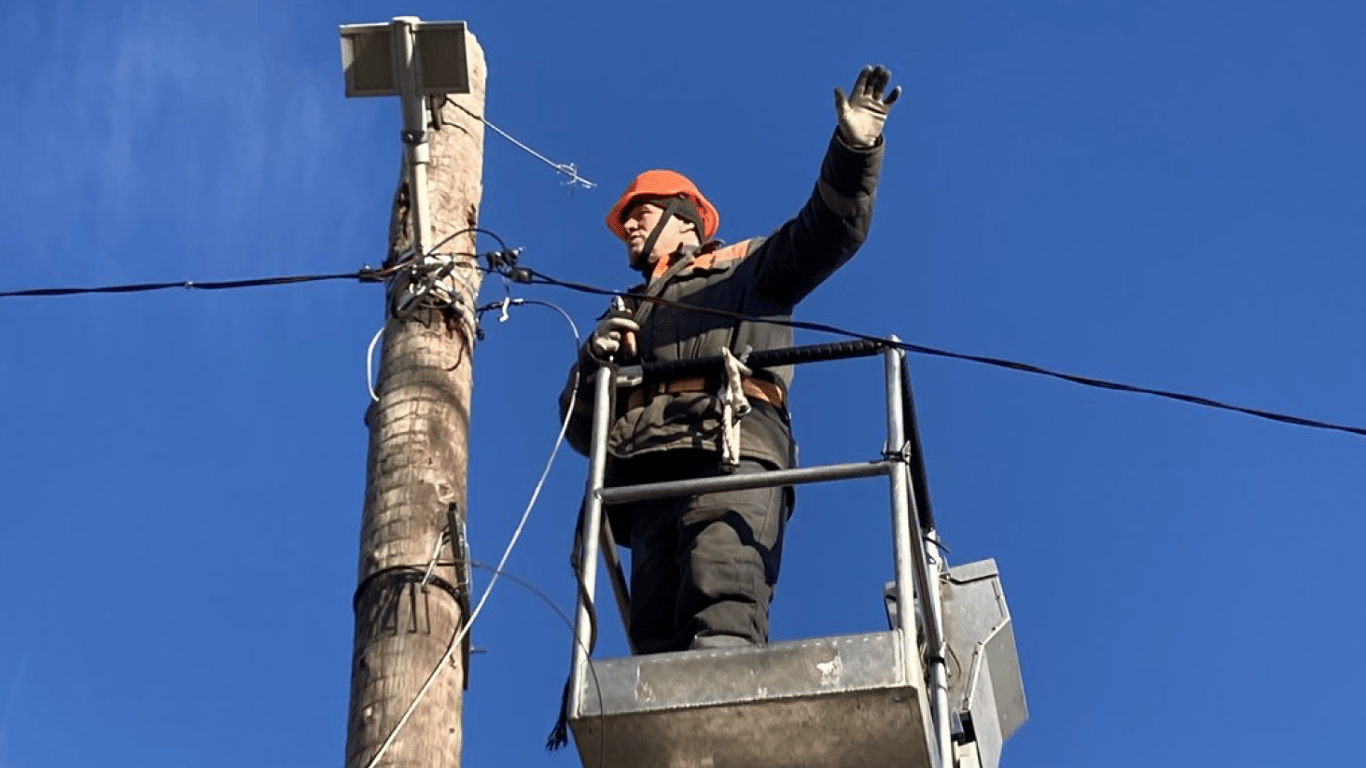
[(917, 561)]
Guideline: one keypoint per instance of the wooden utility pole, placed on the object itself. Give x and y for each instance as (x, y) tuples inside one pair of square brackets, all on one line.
[(408, 610)]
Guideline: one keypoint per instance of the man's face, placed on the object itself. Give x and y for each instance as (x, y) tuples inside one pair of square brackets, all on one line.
[(640, 221)]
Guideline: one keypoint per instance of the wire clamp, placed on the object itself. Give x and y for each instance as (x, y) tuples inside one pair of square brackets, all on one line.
[(427, 284), (902, 455), (504, 262)]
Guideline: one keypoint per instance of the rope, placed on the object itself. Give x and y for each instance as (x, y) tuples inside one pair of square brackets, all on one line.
[(734, 406)]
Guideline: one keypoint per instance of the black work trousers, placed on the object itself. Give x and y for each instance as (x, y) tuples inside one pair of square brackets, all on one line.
[(701, 565)]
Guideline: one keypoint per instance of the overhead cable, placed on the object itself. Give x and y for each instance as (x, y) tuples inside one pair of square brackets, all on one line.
[(364, 275), (533, 277), (538, 278), (568, 169)]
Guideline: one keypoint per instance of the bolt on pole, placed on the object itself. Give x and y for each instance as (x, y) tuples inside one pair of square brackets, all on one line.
[(408, 675)]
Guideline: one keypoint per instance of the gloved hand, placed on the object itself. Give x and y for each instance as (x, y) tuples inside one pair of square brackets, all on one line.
[(615, 336), (863, 113)]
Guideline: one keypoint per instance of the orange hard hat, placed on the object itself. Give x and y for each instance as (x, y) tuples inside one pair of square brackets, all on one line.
[(658, 184)]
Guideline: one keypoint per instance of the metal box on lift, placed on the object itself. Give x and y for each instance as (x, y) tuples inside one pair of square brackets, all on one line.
[(836, 702), (986, 692)]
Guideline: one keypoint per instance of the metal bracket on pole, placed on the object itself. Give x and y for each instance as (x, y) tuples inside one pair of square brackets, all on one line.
[(460, 552), (416, 153), (415, 118)]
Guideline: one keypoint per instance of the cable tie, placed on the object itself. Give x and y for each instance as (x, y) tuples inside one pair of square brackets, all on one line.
[(503, 317)]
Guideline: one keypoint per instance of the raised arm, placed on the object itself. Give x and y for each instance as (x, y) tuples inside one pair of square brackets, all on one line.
[(834, 222)]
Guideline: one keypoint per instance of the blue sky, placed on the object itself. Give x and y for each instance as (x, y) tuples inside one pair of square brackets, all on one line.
[(1166, 193)]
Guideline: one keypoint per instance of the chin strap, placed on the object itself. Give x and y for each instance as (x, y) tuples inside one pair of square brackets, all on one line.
[(647, 251)]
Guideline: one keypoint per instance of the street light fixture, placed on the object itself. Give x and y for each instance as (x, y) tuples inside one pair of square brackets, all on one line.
[(371, 69), (411, 59)]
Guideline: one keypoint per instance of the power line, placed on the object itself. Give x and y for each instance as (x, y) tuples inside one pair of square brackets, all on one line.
[(364, 275), (538, 278), (533, 277)]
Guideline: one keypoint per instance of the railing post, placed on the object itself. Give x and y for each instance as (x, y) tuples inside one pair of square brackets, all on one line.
[(913, 563), (589, 537)]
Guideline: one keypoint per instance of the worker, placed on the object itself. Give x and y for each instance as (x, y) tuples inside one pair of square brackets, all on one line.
[(703, 567)]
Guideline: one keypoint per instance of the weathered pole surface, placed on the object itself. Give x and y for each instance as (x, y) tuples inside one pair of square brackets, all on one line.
[(416, 471)]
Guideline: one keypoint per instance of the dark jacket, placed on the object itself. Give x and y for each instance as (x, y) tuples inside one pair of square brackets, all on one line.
[(761, 277)]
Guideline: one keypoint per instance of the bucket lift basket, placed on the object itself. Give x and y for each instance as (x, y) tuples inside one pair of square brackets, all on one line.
[(866, 700)]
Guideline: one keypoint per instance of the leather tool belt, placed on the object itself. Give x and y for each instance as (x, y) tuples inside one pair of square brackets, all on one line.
[(757, 389)]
